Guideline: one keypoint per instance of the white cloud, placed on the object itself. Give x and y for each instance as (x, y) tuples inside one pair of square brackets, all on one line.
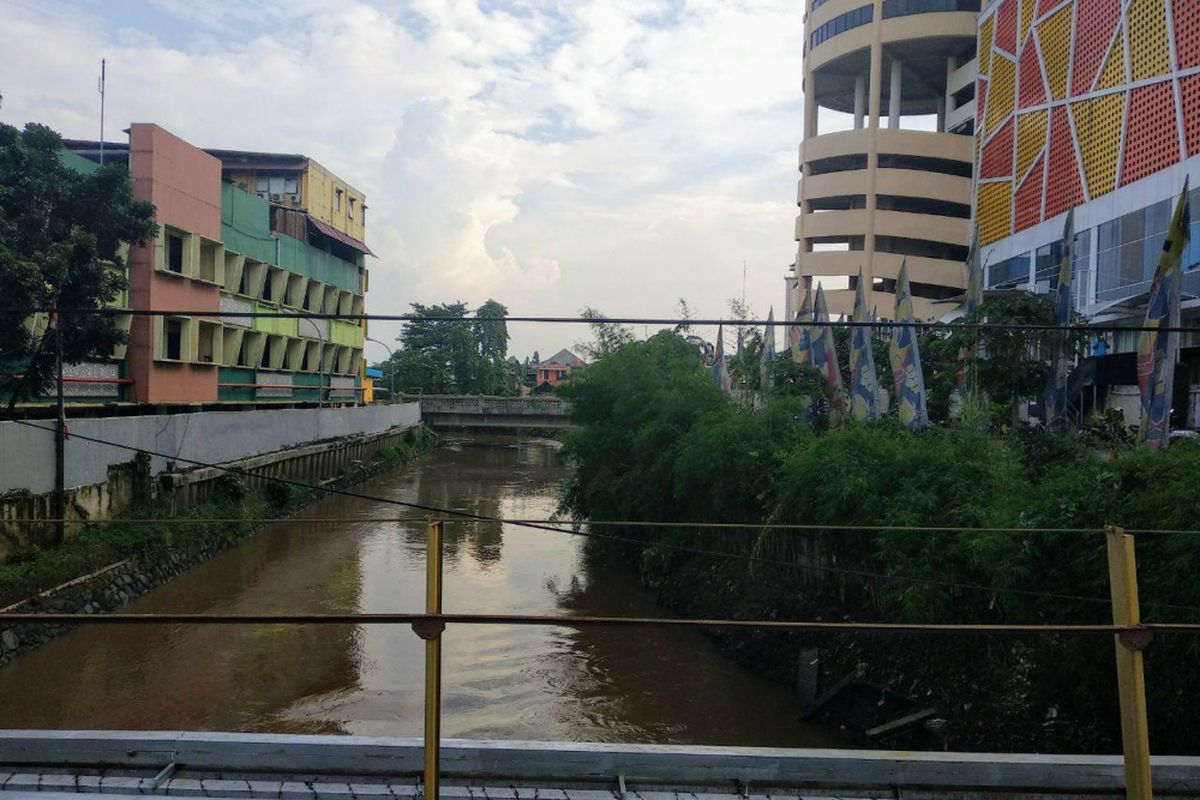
[(612, 153)]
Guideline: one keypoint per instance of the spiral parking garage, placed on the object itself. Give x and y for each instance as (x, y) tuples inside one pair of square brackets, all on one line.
[(886, 160)]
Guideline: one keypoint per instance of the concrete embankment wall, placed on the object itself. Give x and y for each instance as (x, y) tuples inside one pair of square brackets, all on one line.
[(103, 481)]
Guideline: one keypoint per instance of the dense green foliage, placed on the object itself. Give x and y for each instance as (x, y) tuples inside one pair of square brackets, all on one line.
[(453, 357), (656, 440), (61, 232)]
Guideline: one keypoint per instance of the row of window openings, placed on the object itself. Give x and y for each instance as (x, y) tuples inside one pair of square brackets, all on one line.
[(258, 280), (254, 349), (895, 245), (891, 8), (842, 23), (858, 161), (887, 202)]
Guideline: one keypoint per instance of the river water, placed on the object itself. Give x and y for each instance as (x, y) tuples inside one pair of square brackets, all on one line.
[(632, 685)]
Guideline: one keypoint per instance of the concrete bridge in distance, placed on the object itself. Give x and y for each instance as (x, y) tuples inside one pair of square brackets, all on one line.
[(487, 414)]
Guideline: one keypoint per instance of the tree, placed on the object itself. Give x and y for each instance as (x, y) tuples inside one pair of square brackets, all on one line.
[(491, 337), (62, 233), (744, 368), (705, 348), (445, 352), (1011, 363), (608, 337)]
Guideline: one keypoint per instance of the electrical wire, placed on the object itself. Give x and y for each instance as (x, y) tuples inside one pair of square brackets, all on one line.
[(750, 527), (539, 620), (557, 528), (783, 323)]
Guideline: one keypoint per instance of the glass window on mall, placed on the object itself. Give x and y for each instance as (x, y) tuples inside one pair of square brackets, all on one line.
[(1081, 273), (1046, 262), (1010, 273), (1127, 251)]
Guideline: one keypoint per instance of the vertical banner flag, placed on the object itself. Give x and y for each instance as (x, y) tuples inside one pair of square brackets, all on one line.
[(720, 368), (824, 352), (1056, 384), (974, 300), (800, 336), (768, 352), (1156, 348), (906, 359), (864, 384)]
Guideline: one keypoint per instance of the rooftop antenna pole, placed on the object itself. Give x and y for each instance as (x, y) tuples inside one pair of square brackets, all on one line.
[(102, 70)]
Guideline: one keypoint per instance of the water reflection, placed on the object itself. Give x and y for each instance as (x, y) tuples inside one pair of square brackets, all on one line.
[(600, 684)]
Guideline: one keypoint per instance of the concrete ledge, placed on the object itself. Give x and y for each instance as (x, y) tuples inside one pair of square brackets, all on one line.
[(551, 764)]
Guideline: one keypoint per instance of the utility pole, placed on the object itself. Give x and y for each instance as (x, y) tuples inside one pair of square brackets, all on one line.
[(102, 76), (60, 434)]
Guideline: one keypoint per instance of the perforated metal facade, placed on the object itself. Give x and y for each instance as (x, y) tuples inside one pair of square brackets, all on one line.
[(1117, 84)]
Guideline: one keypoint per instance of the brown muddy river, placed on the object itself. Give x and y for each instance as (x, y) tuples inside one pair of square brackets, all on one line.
[(664, 686)]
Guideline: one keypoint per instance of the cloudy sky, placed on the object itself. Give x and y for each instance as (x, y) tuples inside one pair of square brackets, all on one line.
[(550, 154)]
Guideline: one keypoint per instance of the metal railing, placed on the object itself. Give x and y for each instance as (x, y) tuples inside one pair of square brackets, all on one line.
[(1131, 636)]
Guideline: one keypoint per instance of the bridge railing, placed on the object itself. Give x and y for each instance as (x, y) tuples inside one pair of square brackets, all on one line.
[(486, 404), (1130, 635)]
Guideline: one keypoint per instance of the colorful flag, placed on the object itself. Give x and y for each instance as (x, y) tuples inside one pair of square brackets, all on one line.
[(906, 359), (720, 368), (1156, 349), (824, 352), (974, 300), (800, 336), (864, 384), (974, 274), (1056, 385), (768, 351)]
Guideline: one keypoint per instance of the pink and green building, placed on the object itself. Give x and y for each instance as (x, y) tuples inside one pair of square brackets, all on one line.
[(227, 243)]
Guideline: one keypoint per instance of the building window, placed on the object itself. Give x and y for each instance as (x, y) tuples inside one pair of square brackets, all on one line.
[(1081, 268), (350, 207), (1009, 273), (337, 201), (1128, 249), (902, 8), (212, 261), (208, 346), (173, 339), (843, 23), (265, 363), (175, 253)]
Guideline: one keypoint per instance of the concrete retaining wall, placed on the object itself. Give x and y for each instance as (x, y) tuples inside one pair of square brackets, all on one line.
[(103, 481), (213, 437)]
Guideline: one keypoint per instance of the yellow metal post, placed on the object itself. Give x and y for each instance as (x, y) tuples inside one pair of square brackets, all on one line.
[(1131, 681), (431, 632)]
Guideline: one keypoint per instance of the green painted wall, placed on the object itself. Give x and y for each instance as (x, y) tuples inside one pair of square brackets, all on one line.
[(246, 224), (235, 375), (287, 327), (77, 162), (246, 229), (308, 379), (347, 333)]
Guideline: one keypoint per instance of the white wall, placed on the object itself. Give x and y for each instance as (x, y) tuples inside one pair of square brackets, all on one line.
[(214, 437)]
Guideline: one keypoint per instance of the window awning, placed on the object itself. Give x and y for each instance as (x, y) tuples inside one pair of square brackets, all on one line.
[(334, 233)]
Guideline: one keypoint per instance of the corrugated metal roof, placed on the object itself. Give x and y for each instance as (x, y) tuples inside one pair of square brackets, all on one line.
[(334, 233)]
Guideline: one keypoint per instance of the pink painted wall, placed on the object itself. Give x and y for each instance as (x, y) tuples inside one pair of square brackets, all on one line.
[(184, 184)]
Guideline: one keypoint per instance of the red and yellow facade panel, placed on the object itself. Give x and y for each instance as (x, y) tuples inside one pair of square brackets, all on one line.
[(1078, 98)]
